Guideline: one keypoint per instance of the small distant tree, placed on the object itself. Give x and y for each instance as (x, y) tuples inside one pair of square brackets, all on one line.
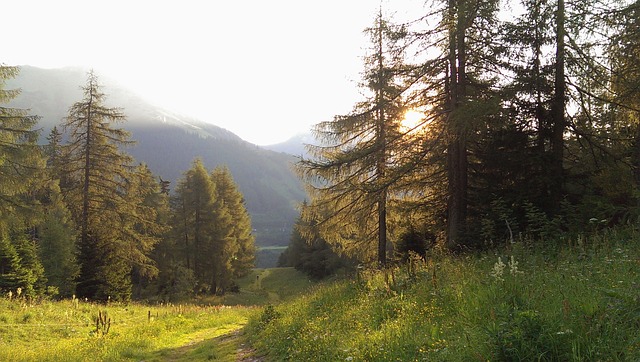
[(312, 255)]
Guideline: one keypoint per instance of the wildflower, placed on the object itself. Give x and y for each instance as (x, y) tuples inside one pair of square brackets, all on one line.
[(568, 331), (498, 270), (513, 267)]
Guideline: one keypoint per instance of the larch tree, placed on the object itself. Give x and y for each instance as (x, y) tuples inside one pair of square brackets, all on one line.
[(203, 229), (100, 199), (241, 248), (144, 224), (455, 86), (348, 174)]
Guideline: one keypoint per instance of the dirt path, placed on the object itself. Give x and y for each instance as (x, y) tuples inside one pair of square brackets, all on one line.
[(245, 353)]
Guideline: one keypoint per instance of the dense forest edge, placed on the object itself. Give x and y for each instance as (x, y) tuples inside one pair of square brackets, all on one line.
[(81, 218)]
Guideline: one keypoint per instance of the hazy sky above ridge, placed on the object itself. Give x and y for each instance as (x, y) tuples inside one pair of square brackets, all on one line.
[(264, 70)]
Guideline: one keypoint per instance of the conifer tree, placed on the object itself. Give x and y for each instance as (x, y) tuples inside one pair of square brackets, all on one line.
[(455, 85), (241, 248), (57, 242), (21, 166), (104, 204), (348, 174), (203, 229), (20, 158), (10, 265), (625, 50), (56, 231), (313, 256), (144, 225)]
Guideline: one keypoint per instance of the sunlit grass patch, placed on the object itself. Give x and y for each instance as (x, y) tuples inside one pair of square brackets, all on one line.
[(576, 302), (64, 331)]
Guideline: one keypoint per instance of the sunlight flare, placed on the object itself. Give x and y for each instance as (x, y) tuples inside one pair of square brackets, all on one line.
[(412, 121)]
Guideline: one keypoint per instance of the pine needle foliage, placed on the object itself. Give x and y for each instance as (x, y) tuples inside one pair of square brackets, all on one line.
[(106, 196), (348, 174)]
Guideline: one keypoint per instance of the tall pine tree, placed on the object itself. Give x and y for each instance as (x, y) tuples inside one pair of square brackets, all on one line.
[(349, 176), (104, 198)]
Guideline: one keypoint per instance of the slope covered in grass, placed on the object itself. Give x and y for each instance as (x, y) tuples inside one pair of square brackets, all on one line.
[(580, 301), (205, 329)]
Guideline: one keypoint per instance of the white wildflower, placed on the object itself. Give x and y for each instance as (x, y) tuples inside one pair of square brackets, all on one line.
[(513, 267), (498, 270)]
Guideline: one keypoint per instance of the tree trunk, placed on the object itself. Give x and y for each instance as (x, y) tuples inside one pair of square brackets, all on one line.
[(382, 158), (457, 164), (87, 172), (635, 161), (558, 109)]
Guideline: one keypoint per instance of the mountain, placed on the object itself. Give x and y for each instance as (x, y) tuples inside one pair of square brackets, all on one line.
[(294, 145), (168, 142)]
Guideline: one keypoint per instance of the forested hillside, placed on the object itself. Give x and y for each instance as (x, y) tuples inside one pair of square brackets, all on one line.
[(81, 217), (168, 142)]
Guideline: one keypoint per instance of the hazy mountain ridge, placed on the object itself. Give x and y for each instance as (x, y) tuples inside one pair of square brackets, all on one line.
[(295, 145), (168, 142)]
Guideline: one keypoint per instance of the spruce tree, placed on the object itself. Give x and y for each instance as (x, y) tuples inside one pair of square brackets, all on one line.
[(57, 242), (21, 166), (10, 265), (21, 161)]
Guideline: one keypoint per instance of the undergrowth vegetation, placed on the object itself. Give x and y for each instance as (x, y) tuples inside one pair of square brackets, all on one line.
[(578, 301)]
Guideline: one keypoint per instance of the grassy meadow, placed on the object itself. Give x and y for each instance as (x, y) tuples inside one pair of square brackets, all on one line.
[(576, 302), (205, 329), (69, 331)]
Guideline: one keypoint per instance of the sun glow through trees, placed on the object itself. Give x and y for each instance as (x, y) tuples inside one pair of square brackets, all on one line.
[(413, 121)]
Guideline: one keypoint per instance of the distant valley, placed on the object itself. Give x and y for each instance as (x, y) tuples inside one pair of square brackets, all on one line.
[(169, 142)]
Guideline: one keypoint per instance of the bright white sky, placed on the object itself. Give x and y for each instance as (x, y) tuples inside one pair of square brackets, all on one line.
[(264, 70)]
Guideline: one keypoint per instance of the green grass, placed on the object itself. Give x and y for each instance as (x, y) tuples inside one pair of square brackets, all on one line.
[(577, 302), (66, 331), (203, 330), (265, 286), (276, 248)]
